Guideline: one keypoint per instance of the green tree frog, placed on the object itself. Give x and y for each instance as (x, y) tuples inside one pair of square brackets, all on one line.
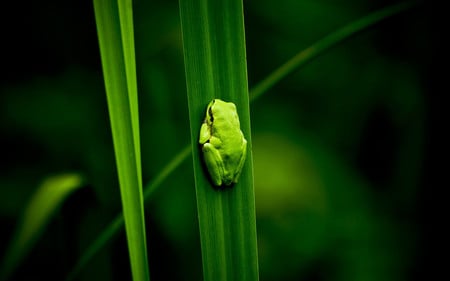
[(223, 144)]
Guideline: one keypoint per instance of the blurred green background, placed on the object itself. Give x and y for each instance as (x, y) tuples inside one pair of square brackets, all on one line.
[(343, 149)]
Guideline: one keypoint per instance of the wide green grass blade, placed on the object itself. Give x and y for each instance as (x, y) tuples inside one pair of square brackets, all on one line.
[(115, 33), (300, 59), (36, 215), (215, 65)]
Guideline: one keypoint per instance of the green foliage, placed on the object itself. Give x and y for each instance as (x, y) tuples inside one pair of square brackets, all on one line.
[(296, 62), (323, 199)]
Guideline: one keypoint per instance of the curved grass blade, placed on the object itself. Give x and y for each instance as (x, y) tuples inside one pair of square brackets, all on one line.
[(300, 59), (117, 224), (115, 33), (326, 43), (113, 228), (43, 205)]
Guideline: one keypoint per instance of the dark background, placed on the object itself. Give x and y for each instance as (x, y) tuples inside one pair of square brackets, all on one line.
[(347, 150)]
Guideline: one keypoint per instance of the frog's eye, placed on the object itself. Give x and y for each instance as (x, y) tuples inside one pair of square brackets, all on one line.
[(210, 113)]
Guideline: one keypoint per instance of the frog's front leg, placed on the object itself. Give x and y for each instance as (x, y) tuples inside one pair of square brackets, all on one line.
[(205, 133), (214, 163)]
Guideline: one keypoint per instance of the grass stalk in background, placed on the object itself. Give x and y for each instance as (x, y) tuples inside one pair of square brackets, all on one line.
[(115, 33), (36, 215), (300, 59), (215, 65), (117, 224), (326, 43)]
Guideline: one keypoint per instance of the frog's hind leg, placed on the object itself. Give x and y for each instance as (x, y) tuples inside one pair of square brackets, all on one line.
[(241, 162), (214, 163)]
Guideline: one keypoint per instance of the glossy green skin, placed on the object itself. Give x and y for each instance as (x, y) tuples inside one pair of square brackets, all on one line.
[(223, 144)]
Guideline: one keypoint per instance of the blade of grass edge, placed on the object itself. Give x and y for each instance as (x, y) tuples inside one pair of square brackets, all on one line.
[(127, 32), (300, 59), (115, 29), (214, 55)]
